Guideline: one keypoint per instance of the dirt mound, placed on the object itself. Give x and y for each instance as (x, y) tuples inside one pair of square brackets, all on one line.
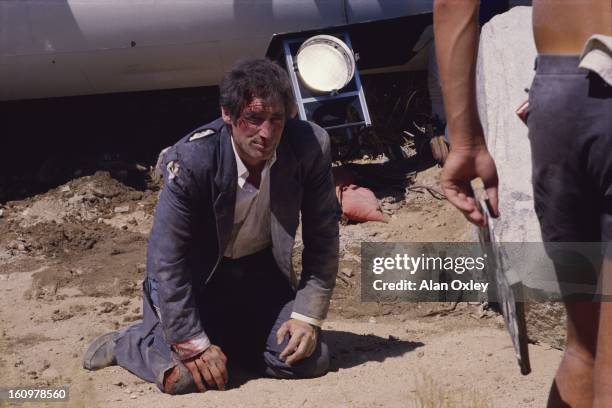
[(75, 216), (85, 199), (90, 232)]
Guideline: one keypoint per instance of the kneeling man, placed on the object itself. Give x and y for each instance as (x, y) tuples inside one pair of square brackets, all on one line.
[(219, 283)]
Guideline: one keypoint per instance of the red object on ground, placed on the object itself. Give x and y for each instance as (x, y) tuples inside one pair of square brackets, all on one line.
[(358, 203)]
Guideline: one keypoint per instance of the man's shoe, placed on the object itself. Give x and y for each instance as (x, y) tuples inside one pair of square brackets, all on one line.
[(101, 352)]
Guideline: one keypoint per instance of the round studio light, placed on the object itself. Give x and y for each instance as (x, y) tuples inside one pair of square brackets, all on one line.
[(325, 63)]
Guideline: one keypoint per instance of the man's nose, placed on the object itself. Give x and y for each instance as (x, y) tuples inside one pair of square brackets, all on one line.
[(265, 130)]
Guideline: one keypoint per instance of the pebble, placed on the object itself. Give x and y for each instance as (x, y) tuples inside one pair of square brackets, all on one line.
[(107, 307), (372, 320), (528, 400), (347, 272), (65, 189), (133, 396), (49, 374), (391, 206), (122, 209), (76, 271), (1, 212)]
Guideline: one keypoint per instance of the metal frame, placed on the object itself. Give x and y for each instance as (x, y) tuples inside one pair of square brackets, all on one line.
[(301, 101)]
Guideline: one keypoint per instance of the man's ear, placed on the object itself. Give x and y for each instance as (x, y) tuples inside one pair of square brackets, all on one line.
[(293, 111), (226, 116)]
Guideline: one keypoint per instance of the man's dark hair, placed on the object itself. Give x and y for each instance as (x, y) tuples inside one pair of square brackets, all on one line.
[(255, 78)]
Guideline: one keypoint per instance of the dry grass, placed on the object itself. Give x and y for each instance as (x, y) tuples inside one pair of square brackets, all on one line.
[(429, 394)]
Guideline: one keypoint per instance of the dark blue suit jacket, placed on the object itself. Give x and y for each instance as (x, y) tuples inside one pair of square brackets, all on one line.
[(195, 212)]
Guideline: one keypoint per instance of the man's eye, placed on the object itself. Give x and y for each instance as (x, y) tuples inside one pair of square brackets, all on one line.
[(255, 121)]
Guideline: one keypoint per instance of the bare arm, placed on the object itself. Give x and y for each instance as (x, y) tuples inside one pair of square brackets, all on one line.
[(456, 33)]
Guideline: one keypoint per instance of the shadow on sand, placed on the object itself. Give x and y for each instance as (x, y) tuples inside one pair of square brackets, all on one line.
[(347, 350)]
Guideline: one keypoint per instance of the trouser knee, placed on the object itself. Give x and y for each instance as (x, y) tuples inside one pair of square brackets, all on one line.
[(314, 366), (319, 364)]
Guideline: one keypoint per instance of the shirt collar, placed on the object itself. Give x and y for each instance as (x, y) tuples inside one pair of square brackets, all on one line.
[(243, 172)]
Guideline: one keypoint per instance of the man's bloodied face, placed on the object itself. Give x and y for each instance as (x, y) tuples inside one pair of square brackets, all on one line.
[(258, 129)]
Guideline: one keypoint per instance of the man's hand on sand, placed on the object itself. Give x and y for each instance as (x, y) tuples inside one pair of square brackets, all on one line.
[(302, 341), (461, 167), (210, 365)]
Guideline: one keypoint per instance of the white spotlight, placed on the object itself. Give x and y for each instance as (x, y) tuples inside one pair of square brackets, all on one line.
[(325, 63)]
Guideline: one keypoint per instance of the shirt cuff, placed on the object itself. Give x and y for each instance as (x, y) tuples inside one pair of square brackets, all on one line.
[(313, 321), (191, 348)]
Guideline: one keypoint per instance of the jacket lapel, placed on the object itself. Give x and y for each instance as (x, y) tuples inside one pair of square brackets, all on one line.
[(225, 179)]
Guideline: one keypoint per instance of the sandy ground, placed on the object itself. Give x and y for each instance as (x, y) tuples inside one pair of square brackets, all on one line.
[(71, 263)]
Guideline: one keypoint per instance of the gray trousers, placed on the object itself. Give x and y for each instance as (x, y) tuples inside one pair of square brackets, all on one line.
[(570, 130), (241, 308)]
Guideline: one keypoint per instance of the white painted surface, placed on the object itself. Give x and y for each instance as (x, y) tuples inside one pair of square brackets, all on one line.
[(505, 68), (54, 48), (69, 47)]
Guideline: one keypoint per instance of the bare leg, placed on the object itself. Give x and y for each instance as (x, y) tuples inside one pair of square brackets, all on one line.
[(573, 384), (602, 379)]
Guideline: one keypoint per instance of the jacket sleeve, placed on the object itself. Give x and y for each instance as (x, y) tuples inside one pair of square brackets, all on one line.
[(320, 234), (169, 244)]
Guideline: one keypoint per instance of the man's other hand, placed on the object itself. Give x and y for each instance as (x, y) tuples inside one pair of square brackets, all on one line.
[(210, 365), (302, 341), (461, 167)]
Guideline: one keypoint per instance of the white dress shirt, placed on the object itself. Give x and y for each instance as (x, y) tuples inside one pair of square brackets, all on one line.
[(251, 230)]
